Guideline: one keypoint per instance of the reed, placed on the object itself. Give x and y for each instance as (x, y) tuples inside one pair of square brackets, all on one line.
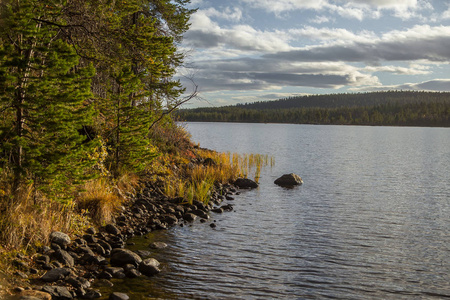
[(199, 180)]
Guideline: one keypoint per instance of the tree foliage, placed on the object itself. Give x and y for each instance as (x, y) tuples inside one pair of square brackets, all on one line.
[(398, 108), (76, 74)]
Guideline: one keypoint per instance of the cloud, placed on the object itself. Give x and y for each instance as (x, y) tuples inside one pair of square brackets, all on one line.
[(352, 9), (205, 33), (231, 14), (413, 70), (340, 35), (263, 74), (320, 20), (421, 42), (434, 85), (446, 14)]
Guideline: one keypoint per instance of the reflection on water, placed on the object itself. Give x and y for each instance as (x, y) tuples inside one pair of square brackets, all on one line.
[(370, 222)]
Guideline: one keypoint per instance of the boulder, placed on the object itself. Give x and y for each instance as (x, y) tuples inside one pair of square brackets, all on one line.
[(149, 267), (55, 274), (58, 292), (60, 238), (112, 229), (64, 257), (245, 183), (289, 180), (118, 296), (189, 217), (78, 282), (121, 257)]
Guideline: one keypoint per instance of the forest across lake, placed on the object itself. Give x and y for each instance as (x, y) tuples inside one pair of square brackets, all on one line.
[(390, 108)]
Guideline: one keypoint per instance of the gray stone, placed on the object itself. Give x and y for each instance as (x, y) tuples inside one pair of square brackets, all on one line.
[(90, 238), (118, 296), (64, 257), (143, 253), (58, 292), (110, 228), (78, 282), (189, 217), (149, 267), (289, 180), (170, 219), (92, 294), (133, 273), (121, 257), (158, 245), (202, 214), (114, 270), (56, 274), (103, 283), (217, 210), (60, 238), (245, 183)]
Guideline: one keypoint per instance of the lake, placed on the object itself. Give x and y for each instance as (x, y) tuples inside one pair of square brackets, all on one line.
[(371, 220)]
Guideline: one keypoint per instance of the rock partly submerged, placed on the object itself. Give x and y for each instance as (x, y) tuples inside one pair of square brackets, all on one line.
[(289, 180), (245, 183)]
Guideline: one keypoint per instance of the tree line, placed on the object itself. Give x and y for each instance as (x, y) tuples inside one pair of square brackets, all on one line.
[(82, 85), (394, 108)]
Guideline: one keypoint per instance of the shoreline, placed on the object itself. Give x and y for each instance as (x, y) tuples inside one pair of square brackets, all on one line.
[(77, 268)]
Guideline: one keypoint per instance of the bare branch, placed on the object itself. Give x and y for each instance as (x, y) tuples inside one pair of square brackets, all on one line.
[(178, 104)]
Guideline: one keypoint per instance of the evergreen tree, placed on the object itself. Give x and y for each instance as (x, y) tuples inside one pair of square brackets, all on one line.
[(43, 96)]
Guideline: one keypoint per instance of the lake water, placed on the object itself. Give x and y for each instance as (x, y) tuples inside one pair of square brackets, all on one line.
[(371, 221)]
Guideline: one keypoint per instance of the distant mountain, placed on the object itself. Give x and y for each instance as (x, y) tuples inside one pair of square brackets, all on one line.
[(401, 108)]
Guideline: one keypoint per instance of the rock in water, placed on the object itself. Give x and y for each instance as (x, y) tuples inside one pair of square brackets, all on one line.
[(121, 257), (289, 180), (245, 183), (149, 267), (118, 296)]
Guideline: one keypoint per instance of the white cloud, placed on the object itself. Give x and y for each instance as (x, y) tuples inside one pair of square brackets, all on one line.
[(205, 33), (231, 14), (446, 14), (280, 6), (352, 9), (320, 20), (418, 70), (338, 35)]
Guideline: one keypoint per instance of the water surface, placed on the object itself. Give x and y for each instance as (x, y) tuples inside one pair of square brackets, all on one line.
[(371, 220)]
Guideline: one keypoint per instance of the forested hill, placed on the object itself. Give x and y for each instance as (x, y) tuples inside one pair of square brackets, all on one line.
[(349, 100), (402, 108)]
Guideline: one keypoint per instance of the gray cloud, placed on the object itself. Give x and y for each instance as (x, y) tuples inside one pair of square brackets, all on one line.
[(432, 48)]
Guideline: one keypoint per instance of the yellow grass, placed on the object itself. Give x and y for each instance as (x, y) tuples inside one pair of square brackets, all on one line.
[(200, 179), (29, 219)]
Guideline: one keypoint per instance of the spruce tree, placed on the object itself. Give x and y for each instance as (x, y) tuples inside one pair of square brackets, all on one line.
[(43, 96)]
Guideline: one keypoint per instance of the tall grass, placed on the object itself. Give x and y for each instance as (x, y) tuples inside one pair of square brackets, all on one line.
[(28, 218), (103, 197), (227, 167)]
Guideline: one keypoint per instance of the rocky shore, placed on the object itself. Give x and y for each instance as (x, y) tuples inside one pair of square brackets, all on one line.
[(77, 267)]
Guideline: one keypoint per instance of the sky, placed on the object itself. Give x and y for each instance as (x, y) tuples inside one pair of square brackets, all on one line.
[(241, 51)]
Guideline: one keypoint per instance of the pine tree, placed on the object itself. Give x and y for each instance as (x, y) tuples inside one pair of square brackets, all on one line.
[(44, 94)]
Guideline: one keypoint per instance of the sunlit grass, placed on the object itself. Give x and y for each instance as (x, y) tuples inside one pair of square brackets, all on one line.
[(28, 218), (200, 179)]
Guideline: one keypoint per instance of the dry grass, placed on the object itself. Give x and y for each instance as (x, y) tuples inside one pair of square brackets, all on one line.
[(200, 179), (102, 197), (28, 220)]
